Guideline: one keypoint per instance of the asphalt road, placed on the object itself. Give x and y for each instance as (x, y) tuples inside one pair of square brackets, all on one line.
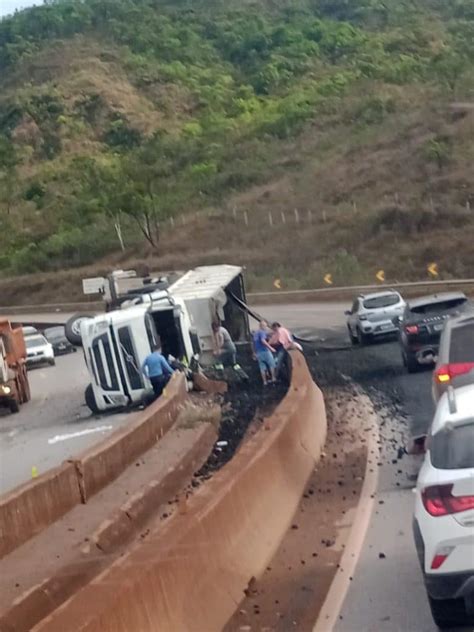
[(53, 426), (386, 594)]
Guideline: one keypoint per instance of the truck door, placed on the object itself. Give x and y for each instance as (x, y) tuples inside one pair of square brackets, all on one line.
[(130, 359)]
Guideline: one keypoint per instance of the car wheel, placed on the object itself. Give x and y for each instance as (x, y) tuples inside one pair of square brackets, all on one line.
[(354, 339), (363, 339), (449, 613), (90, 400), (72, 329), (52, 362), (14, 406), (411, 363)]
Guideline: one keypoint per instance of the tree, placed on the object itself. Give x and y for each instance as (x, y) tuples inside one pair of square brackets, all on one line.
[(8, 172)]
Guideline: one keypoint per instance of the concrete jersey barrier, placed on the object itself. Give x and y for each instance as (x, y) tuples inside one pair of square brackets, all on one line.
[(191, 573), (33, 506)]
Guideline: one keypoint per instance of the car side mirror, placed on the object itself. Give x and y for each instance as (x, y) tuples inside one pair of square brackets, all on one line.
[(348, 312)]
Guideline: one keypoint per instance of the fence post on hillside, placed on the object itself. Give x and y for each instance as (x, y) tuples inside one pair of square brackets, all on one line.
[(310, 216), (354, 207), (432, 206), (297, 217), (183, 219), (246, 218), (234, 213), (283, 217), (468, 205), (325, 217), (270, 218), (172, 221)]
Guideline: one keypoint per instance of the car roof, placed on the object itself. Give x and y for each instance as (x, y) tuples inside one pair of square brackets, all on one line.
[(436, 298), (379, 294), (464, 407)]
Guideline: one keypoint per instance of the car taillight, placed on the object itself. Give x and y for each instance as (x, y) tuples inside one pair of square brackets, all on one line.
[(447, 372), (441, 556), (439, 501), (411, 329)]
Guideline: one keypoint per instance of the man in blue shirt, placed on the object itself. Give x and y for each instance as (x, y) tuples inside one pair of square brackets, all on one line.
[(264, 353), (157, 370)]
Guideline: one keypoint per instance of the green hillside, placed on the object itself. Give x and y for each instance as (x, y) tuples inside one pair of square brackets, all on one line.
[(118, 115)]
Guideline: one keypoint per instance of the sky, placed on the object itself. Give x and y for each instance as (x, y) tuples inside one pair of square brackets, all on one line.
[(9, 6)]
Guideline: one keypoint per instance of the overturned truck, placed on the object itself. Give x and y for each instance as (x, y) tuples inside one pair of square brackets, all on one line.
[(178, 318)]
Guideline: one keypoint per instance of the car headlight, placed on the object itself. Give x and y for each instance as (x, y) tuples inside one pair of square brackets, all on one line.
[(6, 390)]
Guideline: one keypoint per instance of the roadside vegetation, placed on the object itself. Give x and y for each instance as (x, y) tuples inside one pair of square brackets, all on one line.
[(140, 129)]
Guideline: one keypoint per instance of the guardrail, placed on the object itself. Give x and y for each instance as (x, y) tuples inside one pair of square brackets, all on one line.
[(322, 293)]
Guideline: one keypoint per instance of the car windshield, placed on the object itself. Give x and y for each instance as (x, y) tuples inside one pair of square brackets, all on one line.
[(381, 301), (438, 307), (453, 448), (55, 334), (35, 342), (462, 345)]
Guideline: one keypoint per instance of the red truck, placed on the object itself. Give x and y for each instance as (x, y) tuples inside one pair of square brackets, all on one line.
[(14, 385)]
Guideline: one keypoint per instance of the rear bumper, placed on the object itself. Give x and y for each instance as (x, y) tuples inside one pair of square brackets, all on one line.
[(383, 328), (443, 586)]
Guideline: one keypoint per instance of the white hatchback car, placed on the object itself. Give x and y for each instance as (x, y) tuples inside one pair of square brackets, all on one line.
[(444, 510), (39, 351), (374, 315)]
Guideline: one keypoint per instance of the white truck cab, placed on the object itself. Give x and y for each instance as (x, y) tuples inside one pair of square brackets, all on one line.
[(117, 343), (179, 319)]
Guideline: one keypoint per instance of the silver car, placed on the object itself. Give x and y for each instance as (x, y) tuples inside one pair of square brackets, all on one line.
[(374, 315)]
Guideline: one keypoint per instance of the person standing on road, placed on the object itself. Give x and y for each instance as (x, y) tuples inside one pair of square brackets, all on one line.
[(263, 352), (157, 370), (224, 347)]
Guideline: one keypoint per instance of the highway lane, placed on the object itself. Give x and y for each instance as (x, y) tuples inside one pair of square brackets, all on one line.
[(54, 425)]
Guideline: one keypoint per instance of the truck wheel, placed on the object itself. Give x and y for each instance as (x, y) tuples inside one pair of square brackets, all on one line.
[(449, 613), (72, 329), (14, 406), (90, 400)]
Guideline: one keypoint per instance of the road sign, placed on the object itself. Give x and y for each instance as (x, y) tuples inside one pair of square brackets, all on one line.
[(380, 276), (328, 279), (433, 269), (95, 285), (277, 284)]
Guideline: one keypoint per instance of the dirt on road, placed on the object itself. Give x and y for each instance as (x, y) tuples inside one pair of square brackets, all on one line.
[(291, 592)]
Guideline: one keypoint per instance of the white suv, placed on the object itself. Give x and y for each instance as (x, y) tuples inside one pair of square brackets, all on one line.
[(444, 510), (374, 315)]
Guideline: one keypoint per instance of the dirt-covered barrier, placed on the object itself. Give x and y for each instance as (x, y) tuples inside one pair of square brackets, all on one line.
[(191, 574), (33, 506)]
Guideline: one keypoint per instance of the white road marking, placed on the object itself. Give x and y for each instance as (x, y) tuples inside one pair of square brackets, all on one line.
[(329, 613), (80, 433)]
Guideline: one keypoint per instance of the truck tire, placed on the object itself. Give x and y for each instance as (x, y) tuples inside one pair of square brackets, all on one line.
[(72, 329), (90, 400), (14, 406)]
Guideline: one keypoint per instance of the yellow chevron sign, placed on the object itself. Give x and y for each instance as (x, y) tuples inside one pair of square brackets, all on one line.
[(433, 269), (277, 284), (380, 276), (328, 279)]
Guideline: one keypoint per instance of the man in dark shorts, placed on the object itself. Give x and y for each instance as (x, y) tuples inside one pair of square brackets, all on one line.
[(264, 353)]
